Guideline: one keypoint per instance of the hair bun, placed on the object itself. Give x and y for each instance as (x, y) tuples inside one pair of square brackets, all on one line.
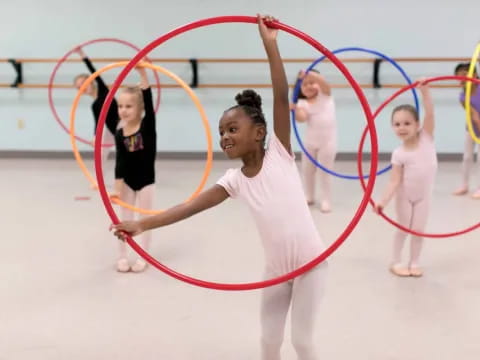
[(249, 98)]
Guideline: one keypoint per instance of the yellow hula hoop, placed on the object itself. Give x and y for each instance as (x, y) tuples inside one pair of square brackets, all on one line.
[(468, 95), (196, 101)]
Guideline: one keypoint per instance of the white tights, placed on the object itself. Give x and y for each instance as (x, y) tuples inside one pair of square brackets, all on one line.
[(142, 198), (304, 293)]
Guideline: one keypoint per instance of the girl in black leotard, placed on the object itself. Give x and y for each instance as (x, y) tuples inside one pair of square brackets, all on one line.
[(136, 146)]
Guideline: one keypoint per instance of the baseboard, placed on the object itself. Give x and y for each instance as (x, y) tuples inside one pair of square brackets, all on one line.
[(188, 155)]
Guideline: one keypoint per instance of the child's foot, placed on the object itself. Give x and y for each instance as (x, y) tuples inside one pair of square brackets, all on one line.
[(476, 195), (123, 265), (460, 191), (310, 202), (400, 270), (325, 207), (139, 266), (416, 271)]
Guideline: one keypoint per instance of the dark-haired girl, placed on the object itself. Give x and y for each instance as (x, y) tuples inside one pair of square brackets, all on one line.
[(270, 184), (469, 144)]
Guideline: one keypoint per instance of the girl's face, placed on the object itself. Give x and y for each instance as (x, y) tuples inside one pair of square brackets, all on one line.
[(239, 135), (464, 72), (310, 86), (405, 125), (129, 108), (79, 82)]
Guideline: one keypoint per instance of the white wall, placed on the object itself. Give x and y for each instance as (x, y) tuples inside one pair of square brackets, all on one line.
[(398, 28)]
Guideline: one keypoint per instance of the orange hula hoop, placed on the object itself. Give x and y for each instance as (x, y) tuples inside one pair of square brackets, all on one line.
[(198, 105)]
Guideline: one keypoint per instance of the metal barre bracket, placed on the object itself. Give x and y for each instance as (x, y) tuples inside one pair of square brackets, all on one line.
[(194, 65), (17, 66), (376, 73)]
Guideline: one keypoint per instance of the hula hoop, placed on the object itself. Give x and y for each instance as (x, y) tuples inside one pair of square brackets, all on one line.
[(62, 60), (296, 92), (196, 101), (359, 163), (468, 95), (303, 268)]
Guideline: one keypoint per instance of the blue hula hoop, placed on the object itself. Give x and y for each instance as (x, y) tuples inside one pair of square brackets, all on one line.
[(296, 92)]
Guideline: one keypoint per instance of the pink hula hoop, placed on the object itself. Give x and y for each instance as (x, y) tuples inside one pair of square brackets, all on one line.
[(62, 60)]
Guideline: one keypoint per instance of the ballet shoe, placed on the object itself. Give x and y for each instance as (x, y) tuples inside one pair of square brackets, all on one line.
[(325, 207), (460, 191), (416, 271), (122, 265), (139, 266), (399, 270), (476, 195)]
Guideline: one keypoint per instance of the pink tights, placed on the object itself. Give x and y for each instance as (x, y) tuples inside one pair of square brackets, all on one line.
[(412, 215), (325, 155)]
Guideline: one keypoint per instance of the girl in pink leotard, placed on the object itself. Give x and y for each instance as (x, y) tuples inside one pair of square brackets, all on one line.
[(414, 166), (316, 107), (269, 183)]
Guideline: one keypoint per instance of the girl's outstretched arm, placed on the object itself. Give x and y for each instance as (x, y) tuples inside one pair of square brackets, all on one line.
[(207, 199)]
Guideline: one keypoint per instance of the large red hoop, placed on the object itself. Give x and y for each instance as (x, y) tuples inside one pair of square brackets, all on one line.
[(360, 168), (245, 286)]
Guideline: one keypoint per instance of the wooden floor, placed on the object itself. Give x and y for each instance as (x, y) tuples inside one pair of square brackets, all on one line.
[(60, 297)]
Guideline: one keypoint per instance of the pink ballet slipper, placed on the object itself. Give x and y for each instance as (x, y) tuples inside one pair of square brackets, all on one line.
[(399, 270), (476, 195), (416, 271), (460, 191)]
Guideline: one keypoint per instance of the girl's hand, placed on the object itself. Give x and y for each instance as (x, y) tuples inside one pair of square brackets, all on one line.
[(422, 86), (142, 71), (378, 208), (140, 65), (293, 106), (301, 74), (114, 196), (267, 33), (131, 228), (80, 52)]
